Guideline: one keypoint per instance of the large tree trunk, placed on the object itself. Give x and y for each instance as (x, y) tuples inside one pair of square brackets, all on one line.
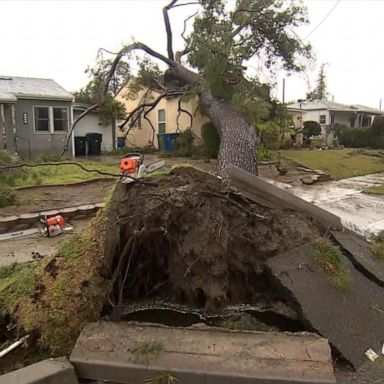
[(238, 140)]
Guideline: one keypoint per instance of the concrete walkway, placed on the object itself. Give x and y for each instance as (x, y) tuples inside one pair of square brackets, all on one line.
[(360, 212)]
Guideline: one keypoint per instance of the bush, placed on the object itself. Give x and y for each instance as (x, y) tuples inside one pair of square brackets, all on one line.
[(356, 137), (269, 133), (184, 144), (311, 128), (263, 153), (378, 125), (211, 140), (7, 197)]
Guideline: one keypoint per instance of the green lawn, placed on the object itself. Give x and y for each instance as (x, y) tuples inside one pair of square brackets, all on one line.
[(62, 174), (340, 164), (375, 190)]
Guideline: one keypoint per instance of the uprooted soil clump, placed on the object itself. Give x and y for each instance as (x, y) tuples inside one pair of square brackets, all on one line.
[(182, 238), (190, 240)]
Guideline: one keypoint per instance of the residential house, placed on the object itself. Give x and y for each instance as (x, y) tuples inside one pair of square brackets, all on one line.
[(328, 113), (90, 125), (35, 115), (165, 117)]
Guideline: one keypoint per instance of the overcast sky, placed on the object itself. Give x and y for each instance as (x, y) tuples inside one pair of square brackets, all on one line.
[(59, 38)]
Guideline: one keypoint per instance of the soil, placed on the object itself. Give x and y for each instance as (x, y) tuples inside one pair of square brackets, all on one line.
[(188, 240), (43, 198)]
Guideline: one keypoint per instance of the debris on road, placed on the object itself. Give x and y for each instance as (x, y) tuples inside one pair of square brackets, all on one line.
[(371, 354)]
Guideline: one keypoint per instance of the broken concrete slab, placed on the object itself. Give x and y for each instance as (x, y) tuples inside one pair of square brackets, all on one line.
[(109, 351), (361, 255), (259, 190), (52, 371), (352, 319)]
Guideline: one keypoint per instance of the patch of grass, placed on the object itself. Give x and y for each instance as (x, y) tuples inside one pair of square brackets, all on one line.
[(165, 378), (71, 250), (144, 350), (16, 281), (375, 190), (330, 259), (377, 246), (56, 296), (60, 174), (340, 164)]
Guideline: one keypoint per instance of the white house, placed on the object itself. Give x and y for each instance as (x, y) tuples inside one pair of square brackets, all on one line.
[(91, 125), (328, 113)]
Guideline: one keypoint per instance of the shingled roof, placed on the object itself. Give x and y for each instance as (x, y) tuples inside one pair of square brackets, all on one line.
[(13, 88), (332, 106)]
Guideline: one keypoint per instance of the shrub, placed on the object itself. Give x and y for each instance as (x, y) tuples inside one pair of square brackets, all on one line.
[(269, 133), (211, 140), (356, 137), (7, 197), (311, 128), (263, 153), (184, 143), (378, 125)]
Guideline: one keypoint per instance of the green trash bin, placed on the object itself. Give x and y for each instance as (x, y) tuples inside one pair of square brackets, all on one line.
[(161, 141)]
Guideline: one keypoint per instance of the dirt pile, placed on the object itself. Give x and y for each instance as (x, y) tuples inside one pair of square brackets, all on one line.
[(188, 240)]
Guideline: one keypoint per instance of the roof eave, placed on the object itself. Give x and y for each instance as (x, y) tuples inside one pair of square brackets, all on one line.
[(25, 96)]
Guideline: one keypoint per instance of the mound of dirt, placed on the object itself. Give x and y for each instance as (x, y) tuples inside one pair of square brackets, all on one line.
[(189, 240)]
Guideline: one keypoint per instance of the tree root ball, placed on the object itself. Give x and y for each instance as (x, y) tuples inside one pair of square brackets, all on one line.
[(190, 240)]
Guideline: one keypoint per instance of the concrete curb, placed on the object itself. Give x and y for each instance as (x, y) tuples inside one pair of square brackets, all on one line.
[(28, 220), (105, 351), (78, 183), (52, 371)]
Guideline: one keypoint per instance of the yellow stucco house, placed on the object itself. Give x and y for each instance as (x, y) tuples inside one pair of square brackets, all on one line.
[(163, 117)]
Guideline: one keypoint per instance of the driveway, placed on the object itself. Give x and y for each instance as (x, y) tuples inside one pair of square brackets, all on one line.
[(358, 211)]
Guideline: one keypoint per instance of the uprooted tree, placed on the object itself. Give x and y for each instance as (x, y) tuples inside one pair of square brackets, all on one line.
[(212, 65)]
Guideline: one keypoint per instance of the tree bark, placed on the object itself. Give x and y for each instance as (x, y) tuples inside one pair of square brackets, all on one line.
[(238, 141)]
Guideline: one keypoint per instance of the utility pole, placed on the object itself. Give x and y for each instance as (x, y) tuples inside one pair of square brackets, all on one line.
[(380, 105), (284, 91)]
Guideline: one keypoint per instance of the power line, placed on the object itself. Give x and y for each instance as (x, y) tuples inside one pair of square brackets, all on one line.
[(323, 19)]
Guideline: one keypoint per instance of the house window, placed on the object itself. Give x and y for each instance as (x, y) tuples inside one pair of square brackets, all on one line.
[(161, 122), (332, 119), (60, 119), (41, 119), (50, 119), (322, 119)]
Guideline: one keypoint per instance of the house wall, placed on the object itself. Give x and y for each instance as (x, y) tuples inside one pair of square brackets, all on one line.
[(142, 136), (91, 124), (40, 143)]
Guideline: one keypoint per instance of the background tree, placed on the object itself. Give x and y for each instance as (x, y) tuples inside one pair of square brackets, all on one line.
[(311, 128), (110, 110), (212, 63), (320, 91)]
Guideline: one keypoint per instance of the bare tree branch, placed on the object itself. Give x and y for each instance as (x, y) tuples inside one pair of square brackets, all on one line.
[(185, 26), (141, 108), (73, 126), (179, 110), (169, 29), (186, 50), (184, 4)]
